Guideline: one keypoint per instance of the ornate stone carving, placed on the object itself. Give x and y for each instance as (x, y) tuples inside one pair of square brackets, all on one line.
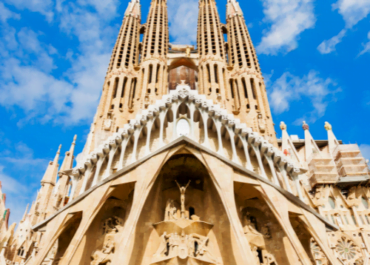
[(111, 227), (347, 251), (182, 192), (171, 211), (317, 253)]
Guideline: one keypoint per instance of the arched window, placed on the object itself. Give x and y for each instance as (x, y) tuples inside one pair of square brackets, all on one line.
[(245, 88), (332, 202), (124, 87), (365, 203), (232, 88)]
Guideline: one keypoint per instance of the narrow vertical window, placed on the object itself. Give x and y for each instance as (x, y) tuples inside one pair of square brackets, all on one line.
[(216, 75), (115, 87), (209, 73), (245, 88), (134, 87), (354, 219), (232, 88), (157, 78), (346, 219), (124, 87), (253, 88), (150, 73)]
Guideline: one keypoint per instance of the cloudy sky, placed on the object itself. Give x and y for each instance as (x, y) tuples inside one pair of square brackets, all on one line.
[(54, 55)]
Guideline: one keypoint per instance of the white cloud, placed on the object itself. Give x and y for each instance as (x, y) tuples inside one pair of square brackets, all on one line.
[(289, 19), (328, 46), (44, 7), (365, 150), (6, 14), (366, 46), (353, 11), (289, 88), (183, 19), (26, 68), (20, 160)]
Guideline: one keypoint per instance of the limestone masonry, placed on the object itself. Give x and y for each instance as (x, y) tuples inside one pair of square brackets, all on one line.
[(182, 166)]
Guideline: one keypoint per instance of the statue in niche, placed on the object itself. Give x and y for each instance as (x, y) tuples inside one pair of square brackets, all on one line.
[(249, 226), (163, 247), (174, 243), (182, 198), (268, 259), (265, 231), (111, 227), (171, 211), (104, 256)]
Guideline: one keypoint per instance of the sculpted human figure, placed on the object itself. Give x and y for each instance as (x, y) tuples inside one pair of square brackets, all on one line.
[(163, 246), (171, 211), (182, 192), (249, 226), (265, 230), (103, 256), (174, 242)]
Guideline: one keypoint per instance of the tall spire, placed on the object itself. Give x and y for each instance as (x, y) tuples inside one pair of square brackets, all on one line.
[(125, 52), (154, 54), (52, 170), (248, 91), (212, 54), (68, 159)]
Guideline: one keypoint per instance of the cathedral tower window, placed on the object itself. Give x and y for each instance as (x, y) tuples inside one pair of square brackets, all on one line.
[(232, 88), (124, 87), (245, 88), (253, 88), (150, 74), (216, 73), (116, 81), (209, 73)]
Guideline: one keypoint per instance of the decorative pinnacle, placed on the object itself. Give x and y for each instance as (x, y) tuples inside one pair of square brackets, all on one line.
[(305, 126), (328, 126), (74, 139), (283, 126), (60, 147)]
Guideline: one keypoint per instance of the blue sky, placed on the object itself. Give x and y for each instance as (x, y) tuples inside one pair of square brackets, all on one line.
[(54, 55)]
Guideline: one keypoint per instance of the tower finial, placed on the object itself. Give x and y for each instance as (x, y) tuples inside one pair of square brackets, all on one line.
[(305, 126), (328, 126), (283, 126)]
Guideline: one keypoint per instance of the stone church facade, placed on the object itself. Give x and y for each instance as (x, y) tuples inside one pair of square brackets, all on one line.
[(182, 166)]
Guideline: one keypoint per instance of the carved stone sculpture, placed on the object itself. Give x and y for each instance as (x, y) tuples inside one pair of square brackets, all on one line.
[(249, 227), (171, 211), (104, 256), (111, 227), (182, 198), (265, 230)]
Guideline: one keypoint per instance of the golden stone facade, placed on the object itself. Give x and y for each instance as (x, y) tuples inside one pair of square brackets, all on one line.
[(182, 166)]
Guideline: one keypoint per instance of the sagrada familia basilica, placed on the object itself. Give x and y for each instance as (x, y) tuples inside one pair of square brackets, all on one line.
[(182, 166)]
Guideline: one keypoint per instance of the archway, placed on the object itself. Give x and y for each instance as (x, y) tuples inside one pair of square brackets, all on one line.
[(196, 228), (61, 244), (101, 238), (267, 239), (182, 70)]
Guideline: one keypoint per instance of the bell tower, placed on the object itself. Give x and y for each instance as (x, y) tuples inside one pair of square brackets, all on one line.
[(248, 91)]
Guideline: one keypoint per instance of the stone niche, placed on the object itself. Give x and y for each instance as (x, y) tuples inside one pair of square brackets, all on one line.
[(265, 235), (183, 220), (98, 246)]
